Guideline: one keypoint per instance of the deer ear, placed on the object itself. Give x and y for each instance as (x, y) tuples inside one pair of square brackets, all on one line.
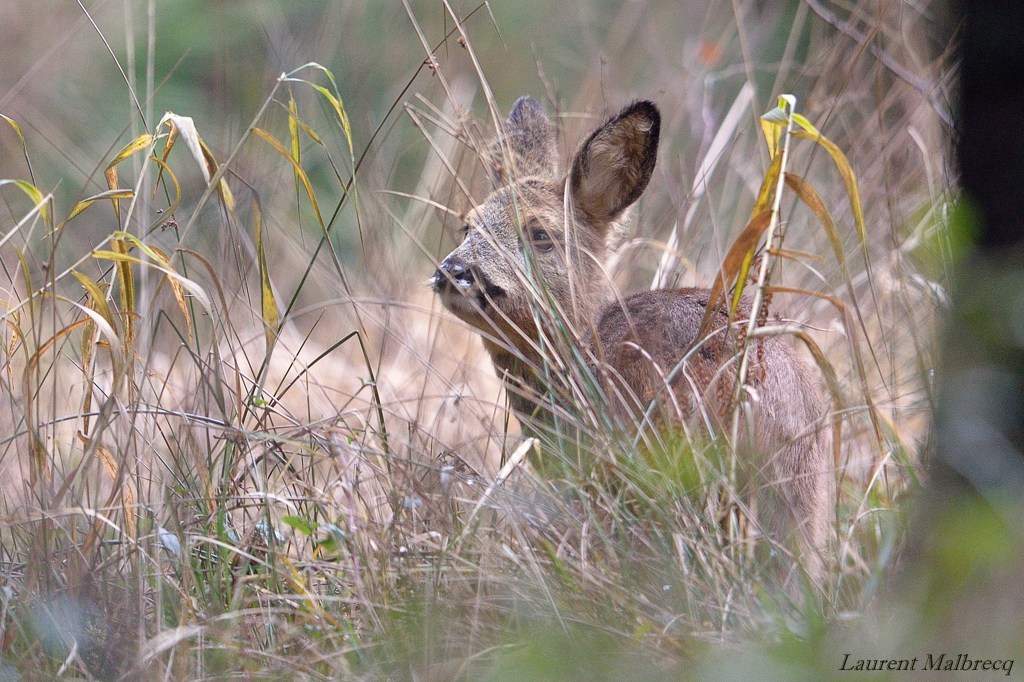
[(527, 146), (612, 168)]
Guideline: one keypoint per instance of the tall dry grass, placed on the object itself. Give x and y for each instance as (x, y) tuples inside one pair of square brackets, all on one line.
[(239, 437)]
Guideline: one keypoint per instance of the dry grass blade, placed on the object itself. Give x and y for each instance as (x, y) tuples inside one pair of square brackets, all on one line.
[(813, 201), (121, 487), (175, 199), (514, 462), (835, 390), (99, 303), (736, 267), (164, 263), (168, 639), (293, 130)]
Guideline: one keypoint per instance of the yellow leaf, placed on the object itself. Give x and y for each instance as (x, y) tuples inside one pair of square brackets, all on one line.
[(127, 282), (172, 136), (293, 128), (21, 141), (138, 144), (110, 174), (271, 318), (337, 105), (164, 265), (223, 190), (766, 193), (17, 129), (99, 301), (775, 122)]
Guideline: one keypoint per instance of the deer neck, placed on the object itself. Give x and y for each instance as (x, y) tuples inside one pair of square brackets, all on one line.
[(527, 375)]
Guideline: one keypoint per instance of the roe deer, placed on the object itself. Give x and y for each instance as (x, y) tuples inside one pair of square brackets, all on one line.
[(529, 271)]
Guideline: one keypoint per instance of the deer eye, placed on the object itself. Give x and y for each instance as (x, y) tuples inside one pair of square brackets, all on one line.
[(540, 239), (464, 232)]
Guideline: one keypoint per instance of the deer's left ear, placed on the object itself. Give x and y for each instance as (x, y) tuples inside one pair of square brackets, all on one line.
[(526, 147), (612, 168)]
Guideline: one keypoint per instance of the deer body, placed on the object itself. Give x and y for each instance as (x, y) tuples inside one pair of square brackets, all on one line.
[(529, 276)]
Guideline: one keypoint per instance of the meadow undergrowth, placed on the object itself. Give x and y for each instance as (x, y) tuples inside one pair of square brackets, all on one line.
[(238, 438)]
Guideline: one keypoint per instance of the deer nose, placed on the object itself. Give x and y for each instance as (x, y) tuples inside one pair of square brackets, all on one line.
[(453, 270)]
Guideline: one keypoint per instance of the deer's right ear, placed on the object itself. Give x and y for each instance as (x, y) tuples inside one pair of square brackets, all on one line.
[(527, 146), (612, 168)]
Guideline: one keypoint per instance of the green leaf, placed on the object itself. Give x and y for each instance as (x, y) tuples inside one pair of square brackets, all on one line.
[(300, 524)]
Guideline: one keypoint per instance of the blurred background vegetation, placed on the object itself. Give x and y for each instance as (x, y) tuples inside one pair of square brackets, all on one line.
[(317, 529)]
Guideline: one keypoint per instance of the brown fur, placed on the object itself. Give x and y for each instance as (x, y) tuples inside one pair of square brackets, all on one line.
[(528, 275)]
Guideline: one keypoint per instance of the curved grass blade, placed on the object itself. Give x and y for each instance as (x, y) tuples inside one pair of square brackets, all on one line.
[(333, 99), (186, 129), (164, 263), (176, 200), (126, 281), (99, 302), (110, 172), (741, 254), (809, 132), (21, 142), (299, 172), (813, 201), (190, 286), (39, 199), (113, 194)]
